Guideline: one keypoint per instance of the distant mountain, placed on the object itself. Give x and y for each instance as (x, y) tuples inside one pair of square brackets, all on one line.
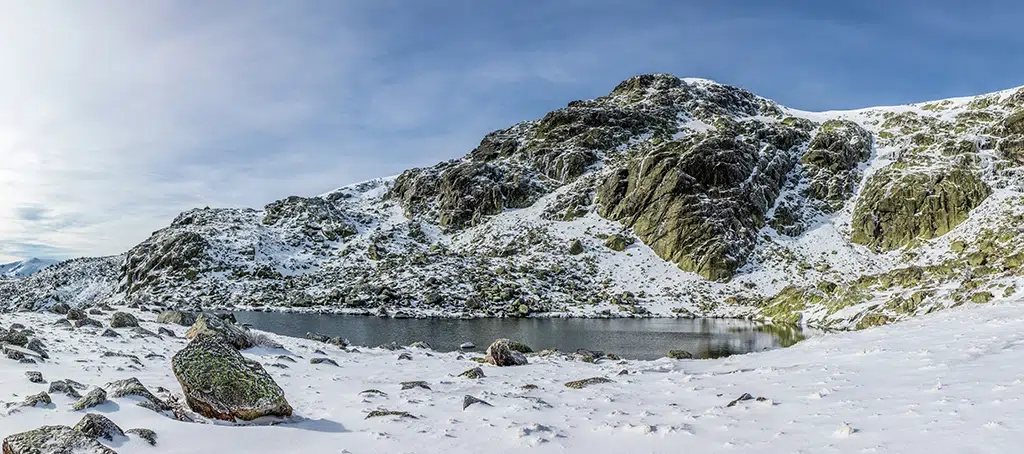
[(667, 197), (24, 268)]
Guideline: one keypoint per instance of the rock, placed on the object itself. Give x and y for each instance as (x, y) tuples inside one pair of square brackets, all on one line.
[(474, 373), (60, 308), (210, 325), (286, 358), (37, 346), (405, 356), (415, 384), (323, 361), (467, 346), (13, 337), (143, 332), (35, 376), (468, 400), (218, 382), (580, 384), (36, 399), (97, 396), (110, 333), (53, 440), (133, 387), (500, 354), (390, 346), (166, 332), (144, 434), (99, 426), (383, 413), (62, 387), (176, 317), (87, 322), (123, 320), (420, 344), (745, 397), (317, 337), (576, 247), (680, 354), (95, 311), (373, 392), (75, 314), (618, 242)]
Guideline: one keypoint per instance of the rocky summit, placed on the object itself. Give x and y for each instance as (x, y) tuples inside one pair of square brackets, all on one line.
[(666, 197)]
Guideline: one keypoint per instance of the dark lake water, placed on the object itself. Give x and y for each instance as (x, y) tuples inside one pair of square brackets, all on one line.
[(628, 338)]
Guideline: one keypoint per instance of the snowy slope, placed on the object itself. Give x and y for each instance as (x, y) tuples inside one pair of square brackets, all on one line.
[(780, 200), (942, 383), (22, 268)]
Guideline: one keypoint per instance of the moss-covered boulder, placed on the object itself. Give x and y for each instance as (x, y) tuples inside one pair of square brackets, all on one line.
[(501, 354), (53, 439), (218, 382), (618, 242), (898, 206), (176, 317)]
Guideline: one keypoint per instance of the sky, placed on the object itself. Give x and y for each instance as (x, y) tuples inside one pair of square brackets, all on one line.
[(117, 115)]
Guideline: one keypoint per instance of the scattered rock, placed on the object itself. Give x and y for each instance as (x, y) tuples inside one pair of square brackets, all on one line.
[(390, 346), (680, 354), (415, 384), (143, 332), (323, 361), (376, 392), (36, 399), (123, 320), (474, 373), (144, 434), (60, 308), (420, 344), (218, 382), (110, 333), (580, 384), (576, 247), (468, 400), (176, 317), (501, 354), (93, 398), (62, 387), (87, 322), (744, 397), (37, 346), (75, 314), (133, 387), (13, 336), (35, 376), (286, 358), (405, 356), (99, 426), (382, 413), (166, 332), (53, 440)]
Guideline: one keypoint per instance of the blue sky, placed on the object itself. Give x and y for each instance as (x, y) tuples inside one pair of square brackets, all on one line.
[(117, 115)]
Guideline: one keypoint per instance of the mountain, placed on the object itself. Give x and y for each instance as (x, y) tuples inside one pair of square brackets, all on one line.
[(667, 197), (24, 268)]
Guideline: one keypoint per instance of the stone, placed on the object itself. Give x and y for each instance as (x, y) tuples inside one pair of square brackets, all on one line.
[(53, 440), (323, 361), (207, 325), (35, 376), (13, 337), (680, 354), (75, 314), (109, 333), (37, 346), (405, 356), (166, 332), (60, 308), (133, 387), (474, 373), (62, 387), (580, 384), (421, 345), (415, 384), (373, 392), (500, 354), (576, 247), (383, 413), (99, 426), (218, 382), (87, 322), (176, 317), (148, 435), (97, 396), (123, 320), (468, 400), (36, 399)]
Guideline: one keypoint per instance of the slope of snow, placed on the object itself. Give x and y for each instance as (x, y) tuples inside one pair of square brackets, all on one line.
[(946, 382), (23, 268)]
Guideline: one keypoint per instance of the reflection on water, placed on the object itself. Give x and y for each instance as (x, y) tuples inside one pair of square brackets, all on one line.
[(629, 338)]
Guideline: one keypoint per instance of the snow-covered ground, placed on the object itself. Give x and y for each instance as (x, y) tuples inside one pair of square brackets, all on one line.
[(946, 382)]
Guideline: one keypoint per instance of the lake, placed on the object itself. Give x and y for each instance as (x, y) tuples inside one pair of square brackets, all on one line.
[(632, 338)]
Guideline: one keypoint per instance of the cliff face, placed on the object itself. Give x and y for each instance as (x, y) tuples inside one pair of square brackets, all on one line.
[(668, 196)]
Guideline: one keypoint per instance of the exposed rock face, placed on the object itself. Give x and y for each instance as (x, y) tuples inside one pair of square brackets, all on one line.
[(897, 207), (501, 354), (218, 382), (831, 160), (55, 440), (701, 200)]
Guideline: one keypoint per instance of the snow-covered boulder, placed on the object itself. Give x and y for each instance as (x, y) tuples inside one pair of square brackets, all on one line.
[(53, 439)]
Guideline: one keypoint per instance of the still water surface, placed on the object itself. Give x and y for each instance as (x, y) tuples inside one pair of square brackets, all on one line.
[(628, 338)]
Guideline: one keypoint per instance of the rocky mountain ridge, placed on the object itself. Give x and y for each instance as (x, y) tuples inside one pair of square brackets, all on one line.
[(668, 197), (23, 268)]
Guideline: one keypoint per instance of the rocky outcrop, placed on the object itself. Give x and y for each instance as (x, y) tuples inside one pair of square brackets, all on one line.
[(218, 382), (897, 207)]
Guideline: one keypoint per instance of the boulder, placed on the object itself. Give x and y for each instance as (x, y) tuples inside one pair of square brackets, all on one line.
[(580, 384), (35, 376), (75, 314), (218, 382), (87, 322), (144, 434), (123, 320), (468, 400), (474, 373), (36, 399), (99, 426), (133, 387), (166, 332), (13, 336), (176, 317), (63, 387), (207, 325), (93, 398), (53, 440), (679, 354), (501, 354), (60, 308)]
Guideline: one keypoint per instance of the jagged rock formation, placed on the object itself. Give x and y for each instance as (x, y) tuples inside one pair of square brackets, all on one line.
[(668, 196)]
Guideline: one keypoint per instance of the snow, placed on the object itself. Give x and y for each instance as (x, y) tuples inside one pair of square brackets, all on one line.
[(946, 382), (24, 268)]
